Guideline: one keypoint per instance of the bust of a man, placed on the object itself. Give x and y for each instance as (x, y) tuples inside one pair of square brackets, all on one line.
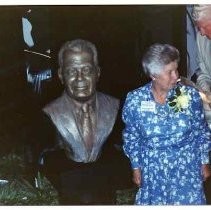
[(82, 121), (79, 73)]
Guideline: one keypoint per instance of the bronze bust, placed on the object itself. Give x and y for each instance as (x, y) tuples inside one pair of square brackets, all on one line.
[(79, 73), (83, 162)]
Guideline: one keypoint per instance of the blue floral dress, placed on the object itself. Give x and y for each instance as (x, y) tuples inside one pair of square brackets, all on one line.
[(169, 147)]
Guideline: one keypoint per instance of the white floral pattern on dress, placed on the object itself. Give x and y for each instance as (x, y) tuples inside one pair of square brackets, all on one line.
[(168, 147)]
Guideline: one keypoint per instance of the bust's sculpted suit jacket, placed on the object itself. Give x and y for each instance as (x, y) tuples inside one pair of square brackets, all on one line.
[(61, 112)]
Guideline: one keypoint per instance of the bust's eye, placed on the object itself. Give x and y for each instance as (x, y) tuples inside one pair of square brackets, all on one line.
[(70, 72), (87, 70)]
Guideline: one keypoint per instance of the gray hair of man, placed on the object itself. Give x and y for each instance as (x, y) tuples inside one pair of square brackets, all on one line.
[(157, 56), (78, 45), (201, 12)]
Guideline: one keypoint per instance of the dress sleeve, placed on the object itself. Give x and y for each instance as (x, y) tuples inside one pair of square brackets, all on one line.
[(201, 128), (131, 133)]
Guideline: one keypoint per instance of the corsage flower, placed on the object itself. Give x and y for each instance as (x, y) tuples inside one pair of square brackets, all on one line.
[(180, 100)]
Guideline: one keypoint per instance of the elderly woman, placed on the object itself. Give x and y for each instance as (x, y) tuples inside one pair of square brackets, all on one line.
[(166, 136)]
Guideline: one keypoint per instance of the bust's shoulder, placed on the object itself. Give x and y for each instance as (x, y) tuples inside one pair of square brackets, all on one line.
[(108, 99), (56, 103)]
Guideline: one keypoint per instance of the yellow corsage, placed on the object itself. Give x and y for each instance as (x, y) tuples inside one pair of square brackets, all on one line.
[(180, 101)]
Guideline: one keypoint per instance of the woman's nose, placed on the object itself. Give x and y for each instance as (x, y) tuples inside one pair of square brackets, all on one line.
[(175, 75)]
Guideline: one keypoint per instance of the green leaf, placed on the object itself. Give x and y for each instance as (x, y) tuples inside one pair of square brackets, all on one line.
[(178, 91), (172, 98), (172, 104)]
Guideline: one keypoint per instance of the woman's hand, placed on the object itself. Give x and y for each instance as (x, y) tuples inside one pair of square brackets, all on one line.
[(206, 171), (137, 177)]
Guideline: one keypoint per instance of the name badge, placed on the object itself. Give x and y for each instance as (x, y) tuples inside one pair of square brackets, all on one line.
[(147, 106)]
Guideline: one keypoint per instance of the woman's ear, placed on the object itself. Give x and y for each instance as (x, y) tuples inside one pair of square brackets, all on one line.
[(59, 72), (152, 77)]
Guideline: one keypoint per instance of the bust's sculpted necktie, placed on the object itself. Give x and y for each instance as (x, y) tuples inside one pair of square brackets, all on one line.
[(87, 128)]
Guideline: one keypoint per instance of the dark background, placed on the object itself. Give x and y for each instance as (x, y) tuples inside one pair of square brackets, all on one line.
[(121, 34)]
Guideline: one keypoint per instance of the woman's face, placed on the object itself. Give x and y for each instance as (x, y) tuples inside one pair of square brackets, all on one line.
[(168, 77)]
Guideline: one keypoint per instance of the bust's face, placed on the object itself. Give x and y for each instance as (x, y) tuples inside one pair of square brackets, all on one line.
[(204, 27), (79, 75)]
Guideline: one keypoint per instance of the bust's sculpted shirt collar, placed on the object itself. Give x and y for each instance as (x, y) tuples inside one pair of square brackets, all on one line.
[(78, 105)]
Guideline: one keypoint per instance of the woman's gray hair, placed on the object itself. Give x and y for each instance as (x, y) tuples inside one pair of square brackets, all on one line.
[(78, 45), (157, 56), (201, 12)]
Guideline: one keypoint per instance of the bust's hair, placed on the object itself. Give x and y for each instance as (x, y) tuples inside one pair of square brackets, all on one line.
[(201, 12), (78, 45), (157, 56)]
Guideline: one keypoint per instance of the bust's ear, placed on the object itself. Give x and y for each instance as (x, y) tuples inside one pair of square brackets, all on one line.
[(59, 72), (98, 72)]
